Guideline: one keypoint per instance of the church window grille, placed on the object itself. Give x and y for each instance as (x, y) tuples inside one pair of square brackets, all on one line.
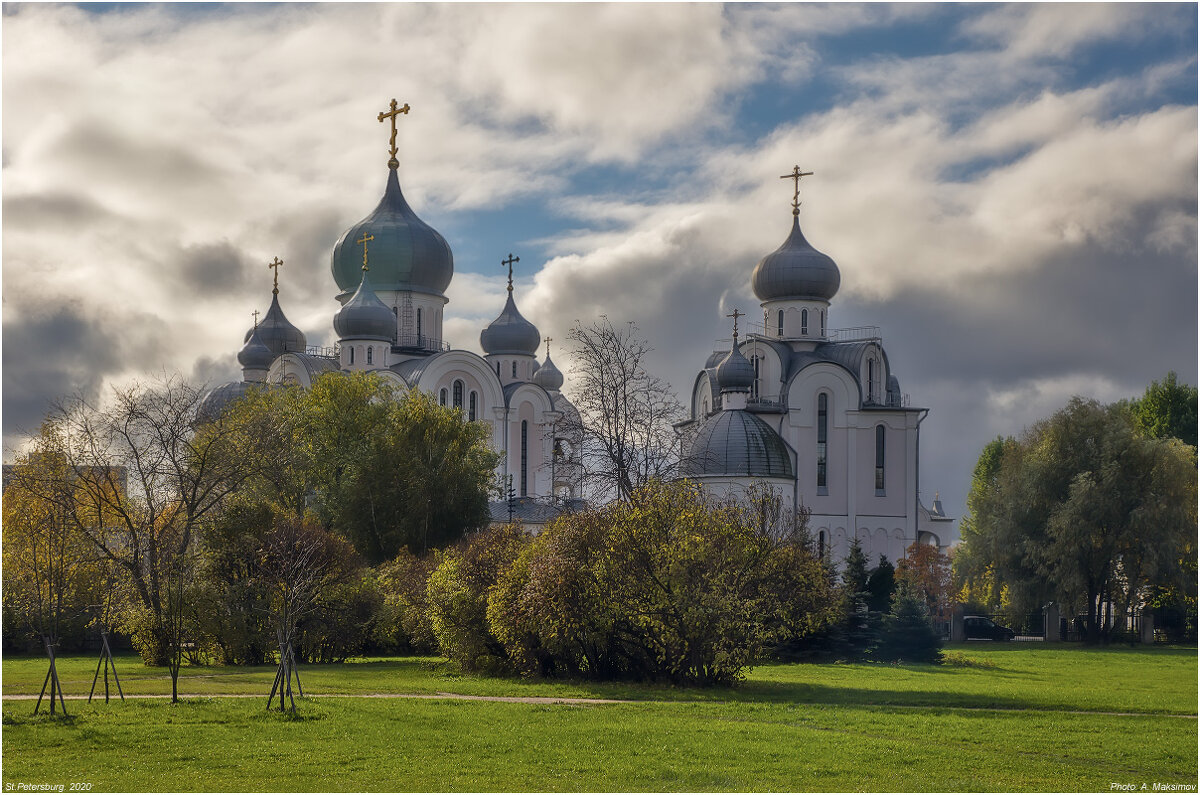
[(370, 358), (458, 394), (822, 443), (779, 322), (524, 458), (442, 396), (879, 459), (804, 322), (471, 413)]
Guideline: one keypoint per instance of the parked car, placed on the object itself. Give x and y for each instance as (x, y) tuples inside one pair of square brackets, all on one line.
[(983, 628)]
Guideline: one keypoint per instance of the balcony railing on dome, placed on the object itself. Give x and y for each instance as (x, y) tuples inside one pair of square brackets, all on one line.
[(323, 352), (855, 334), (419, 342)]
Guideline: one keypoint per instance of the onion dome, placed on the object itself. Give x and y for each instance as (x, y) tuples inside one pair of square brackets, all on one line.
[(277, 333), (255, 355), (364, 316), (548, 377), (735, 373), (218, 399), (796, 270), (406, 253), (510, 333), (737, 444)]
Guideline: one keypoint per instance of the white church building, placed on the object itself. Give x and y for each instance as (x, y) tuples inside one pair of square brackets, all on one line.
[(815, 413)]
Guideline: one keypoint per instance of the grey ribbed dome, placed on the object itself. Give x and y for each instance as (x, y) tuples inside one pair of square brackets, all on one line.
[(364, 316), (547, 376), (736, 443), (277, 333), (405, 254), (796, 270), (510, 333), (255, 355), (219, 399), (735, 373)]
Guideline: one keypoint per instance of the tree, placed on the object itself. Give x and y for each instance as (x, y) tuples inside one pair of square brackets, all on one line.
[(925, 570), (143, 478), (625, 413), (1167, 410), (907, 633), (1082, 509), (881, 584)]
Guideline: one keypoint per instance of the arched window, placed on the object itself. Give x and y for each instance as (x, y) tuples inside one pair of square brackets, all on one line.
[(497, 368), (524, 458), (821, 544), (514, 368), (705, 407), (779, 322), (871, 380), (822, 322), (471, 413), (879, 458), (458, 394), (352, 355), (442, 396), (804, 322), (369, 356), (822, 442), (754, 360), (419, 326)]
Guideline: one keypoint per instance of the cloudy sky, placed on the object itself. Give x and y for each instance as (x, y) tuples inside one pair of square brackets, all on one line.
[(1009, 191)]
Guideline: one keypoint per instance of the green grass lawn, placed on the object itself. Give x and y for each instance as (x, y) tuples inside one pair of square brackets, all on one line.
[(1010, 717)]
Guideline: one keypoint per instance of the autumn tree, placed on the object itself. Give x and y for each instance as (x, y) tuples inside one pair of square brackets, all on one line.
[(926, 570), (626, 414)]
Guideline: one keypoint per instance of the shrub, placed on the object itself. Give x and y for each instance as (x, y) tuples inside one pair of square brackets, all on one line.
[(402, 623), (908, 634)]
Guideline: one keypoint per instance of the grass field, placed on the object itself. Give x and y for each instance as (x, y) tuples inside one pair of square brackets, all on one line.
[(1005, 717)]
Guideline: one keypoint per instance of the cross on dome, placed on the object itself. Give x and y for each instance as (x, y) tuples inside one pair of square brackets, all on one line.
[(735, 315), (255, 313), (509, 262), (275, 266), (795, 176), (391, 114), (548, 341), (364, 240)]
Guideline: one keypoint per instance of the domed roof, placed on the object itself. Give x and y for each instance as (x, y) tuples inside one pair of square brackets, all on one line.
[(735, 373), (510, 333), (218, 399), (255, 355), (547, 376), (404, 252), (736, 443), (796, 270), (364, 316), (279, 335)]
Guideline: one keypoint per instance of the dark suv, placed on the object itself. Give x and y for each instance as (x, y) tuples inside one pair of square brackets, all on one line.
[(985, 629)]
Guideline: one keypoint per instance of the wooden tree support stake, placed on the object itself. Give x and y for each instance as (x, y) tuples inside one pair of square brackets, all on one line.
[(106, 657), (52, 681)]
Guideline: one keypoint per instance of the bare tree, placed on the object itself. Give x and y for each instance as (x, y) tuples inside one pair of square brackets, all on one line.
[(625, 413), (145, 476)]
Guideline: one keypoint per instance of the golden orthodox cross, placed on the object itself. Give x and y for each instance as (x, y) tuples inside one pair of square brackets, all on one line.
[(365, 239), (509, 262), (391, 114), (736, 314), (255, 313), (796, 175), (275, 265)]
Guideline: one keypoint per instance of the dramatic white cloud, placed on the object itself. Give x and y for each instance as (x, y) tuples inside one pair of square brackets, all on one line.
[(1017, 213)]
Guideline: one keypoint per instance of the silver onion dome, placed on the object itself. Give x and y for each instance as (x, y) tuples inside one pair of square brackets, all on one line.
[(220, 398), (364, 316), (796, 270), (548, 377), (735, 373), (255, 355), (510, 333), (277, 333)]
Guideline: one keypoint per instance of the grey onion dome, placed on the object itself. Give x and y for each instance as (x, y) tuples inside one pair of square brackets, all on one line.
[(510, 333), (737, 444), (220, 398), (796, 270), (279, 335), (735, 373), (364, 316), (255, 355), (405, 253), (548, 377)]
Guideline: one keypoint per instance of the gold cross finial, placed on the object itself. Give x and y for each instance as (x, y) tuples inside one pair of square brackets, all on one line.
[(275, 265), (391, 114), (365, 239), (735, 315), (255, 313), (509, 262), (796, 175)]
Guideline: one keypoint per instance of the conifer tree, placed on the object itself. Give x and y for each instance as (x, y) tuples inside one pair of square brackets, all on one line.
[(908, 635)]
